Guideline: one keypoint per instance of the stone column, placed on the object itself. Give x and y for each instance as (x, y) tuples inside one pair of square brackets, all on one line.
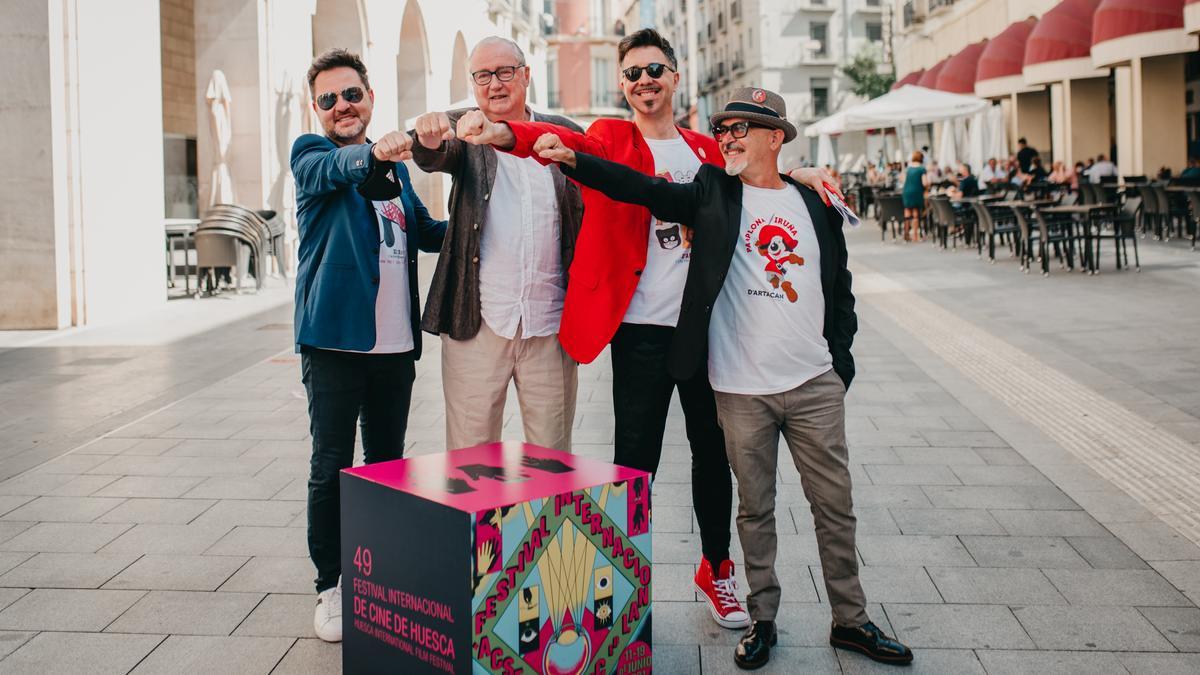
[(1089, 132), (1031, 119), (1163, 115)]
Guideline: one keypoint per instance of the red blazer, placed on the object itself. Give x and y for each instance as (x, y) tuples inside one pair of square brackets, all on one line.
[(611, 250)]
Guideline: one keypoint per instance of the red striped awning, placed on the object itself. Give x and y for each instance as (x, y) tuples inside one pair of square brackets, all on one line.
[(1118, 18), (915, 75), (1004, 56), (929, 77), (958, 75), (1064, 32)]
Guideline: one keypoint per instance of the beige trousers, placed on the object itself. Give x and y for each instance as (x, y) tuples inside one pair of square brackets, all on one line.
[(475, 377), (812, 418)]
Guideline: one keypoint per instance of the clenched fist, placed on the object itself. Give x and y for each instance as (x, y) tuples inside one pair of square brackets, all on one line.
[(551, 147), (474, 127), (395, 146), (433, 128)]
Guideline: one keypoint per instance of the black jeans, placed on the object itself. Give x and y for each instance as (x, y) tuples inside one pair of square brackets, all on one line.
[(642, 390), (344, 387)]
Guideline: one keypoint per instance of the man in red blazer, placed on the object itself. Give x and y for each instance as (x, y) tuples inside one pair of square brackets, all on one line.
[(626, 285)]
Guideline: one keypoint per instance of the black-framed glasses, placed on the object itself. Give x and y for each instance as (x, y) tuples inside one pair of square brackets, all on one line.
[(655, 70), (503, 73), (737, 129), (349, 94)]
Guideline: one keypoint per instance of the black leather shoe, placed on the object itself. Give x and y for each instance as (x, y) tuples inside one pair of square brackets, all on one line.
[(869, 640), (754, 649)]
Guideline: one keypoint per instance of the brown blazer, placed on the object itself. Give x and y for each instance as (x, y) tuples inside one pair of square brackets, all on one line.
[(453, 304)]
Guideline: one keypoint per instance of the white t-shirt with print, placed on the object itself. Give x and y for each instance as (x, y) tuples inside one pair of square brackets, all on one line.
[(393, 325), (766, 335), (660, 289)]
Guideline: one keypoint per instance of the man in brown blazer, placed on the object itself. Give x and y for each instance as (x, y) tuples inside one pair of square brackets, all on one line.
[(498, 289)]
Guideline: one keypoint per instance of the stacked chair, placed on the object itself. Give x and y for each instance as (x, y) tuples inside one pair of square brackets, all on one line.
[(234, 237)]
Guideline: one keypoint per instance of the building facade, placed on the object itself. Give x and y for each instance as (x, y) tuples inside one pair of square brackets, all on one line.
[(1077, 78), (581, 62), (115, 131)]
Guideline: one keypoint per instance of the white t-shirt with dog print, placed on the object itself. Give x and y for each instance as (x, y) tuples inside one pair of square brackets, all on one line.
[(659, 291), (766, 335)]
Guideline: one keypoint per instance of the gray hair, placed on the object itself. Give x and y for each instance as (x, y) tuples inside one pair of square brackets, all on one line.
[(496, 39)]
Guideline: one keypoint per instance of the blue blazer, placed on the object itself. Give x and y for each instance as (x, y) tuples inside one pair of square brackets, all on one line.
[(337, 280)]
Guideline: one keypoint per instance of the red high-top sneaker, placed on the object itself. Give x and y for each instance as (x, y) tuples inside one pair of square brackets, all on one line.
[(721, 592)]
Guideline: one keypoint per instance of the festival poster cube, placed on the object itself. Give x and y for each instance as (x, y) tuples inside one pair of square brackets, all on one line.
[(502, 558)]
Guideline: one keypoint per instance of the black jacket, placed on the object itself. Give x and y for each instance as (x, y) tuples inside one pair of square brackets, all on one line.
[(712, 206)]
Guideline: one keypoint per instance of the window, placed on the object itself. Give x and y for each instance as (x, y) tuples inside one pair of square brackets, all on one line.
[(818, 32), (874, 31), (820, 96), (603, 82), (598, 17), (552, 98)]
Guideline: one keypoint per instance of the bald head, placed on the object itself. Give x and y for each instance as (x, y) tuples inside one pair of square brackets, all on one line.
[(493, 43)]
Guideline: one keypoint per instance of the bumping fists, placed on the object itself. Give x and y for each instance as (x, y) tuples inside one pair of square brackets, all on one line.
[(475, 128), (394, 146), (551, 147), (433, 128)]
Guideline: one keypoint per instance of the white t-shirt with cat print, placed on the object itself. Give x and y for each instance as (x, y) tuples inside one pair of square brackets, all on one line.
[(660, 290)]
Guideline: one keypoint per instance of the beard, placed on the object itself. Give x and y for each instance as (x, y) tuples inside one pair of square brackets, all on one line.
[(737, 166), (346, 135)]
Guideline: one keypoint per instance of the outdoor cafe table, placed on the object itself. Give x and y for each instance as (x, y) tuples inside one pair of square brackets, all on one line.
[(180, 230), (1089, 212)]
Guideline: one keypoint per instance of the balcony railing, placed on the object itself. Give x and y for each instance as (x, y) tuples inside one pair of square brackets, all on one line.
[(935, 5), (912, 14)]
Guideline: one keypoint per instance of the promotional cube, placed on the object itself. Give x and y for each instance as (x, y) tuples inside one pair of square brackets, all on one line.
[(502, 558)]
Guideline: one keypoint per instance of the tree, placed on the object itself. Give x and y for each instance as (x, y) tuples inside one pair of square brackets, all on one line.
[(863, 72)]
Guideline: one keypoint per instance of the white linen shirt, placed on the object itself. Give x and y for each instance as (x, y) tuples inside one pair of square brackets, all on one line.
[(520, 256)]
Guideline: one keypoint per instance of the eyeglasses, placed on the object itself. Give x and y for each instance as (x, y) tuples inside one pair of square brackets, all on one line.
[(349, 94), (503, 73), (656, 70), (737, 129)]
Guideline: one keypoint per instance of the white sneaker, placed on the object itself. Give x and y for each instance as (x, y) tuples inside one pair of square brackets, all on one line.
[(327, 622)]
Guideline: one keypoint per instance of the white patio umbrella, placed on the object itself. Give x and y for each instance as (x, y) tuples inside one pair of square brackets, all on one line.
[(219, 100), (825, 156), (997, 134), (976, 143), (947, 153)]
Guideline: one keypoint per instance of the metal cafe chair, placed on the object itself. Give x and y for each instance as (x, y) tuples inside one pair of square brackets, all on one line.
[(890, 211)]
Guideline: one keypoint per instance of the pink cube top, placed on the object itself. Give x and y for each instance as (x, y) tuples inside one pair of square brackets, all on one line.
[(493, 475)]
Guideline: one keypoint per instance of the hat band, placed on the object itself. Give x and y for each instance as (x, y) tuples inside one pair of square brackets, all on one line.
[(738, 106)]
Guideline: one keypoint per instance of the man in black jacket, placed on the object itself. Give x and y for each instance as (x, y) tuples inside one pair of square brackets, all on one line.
[(767, 304)]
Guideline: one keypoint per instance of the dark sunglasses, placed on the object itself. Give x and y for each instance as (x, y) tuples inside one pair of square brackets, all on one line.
[(349, 94), (656, 70), (503, 73), (737, 129)]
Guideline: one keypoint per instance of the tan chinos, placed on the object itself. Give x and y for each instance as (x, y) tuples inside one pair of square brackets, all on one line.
[(813, 422)]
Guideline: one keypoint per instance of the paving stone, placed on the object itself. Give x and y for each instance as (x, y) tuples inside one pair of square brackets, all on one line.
[(1049, 523), (9, 529), (149, 486), (969, 439), (904, 474), (314, 657), (239, 487), (157, 511), (1180, 625), (719, 661), (67, 570), (276, 513), (209, 448), (10, 595), (138, 465), (674, 582), (946, 521), (806, 624), (1156, 541), (1183, 574), (64, 509), (871, 520), (280, 615), (1022, 552), (1107, 553), (1000, 475), (72, 463), (10, 502), (82, 486), (264, 574), (1091, 628), (909, 422), (149, 447), (11, 640), (225, 466), (263, 541), (927, 662), (883, 549), (1116, 587), (995, 586), (689, 624), (998, 497), (185, 612), (948, 456), (65, 537), (297, 490), (1161, 664), (167, 539), (10, 559), (1060, 663), (890, 496), (33, 484), (82, 653), (1001, 456), (59, 609), (177, 572), (957, 626), (198, 654)]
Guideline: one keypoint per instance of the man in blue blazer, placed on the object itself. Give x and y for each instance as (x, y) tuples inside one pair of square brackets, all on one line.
[(357, 309)]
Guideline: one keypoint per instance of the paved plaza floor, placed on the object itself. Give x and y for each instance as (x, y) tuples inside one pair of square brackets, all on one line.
[(1025, 454)]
